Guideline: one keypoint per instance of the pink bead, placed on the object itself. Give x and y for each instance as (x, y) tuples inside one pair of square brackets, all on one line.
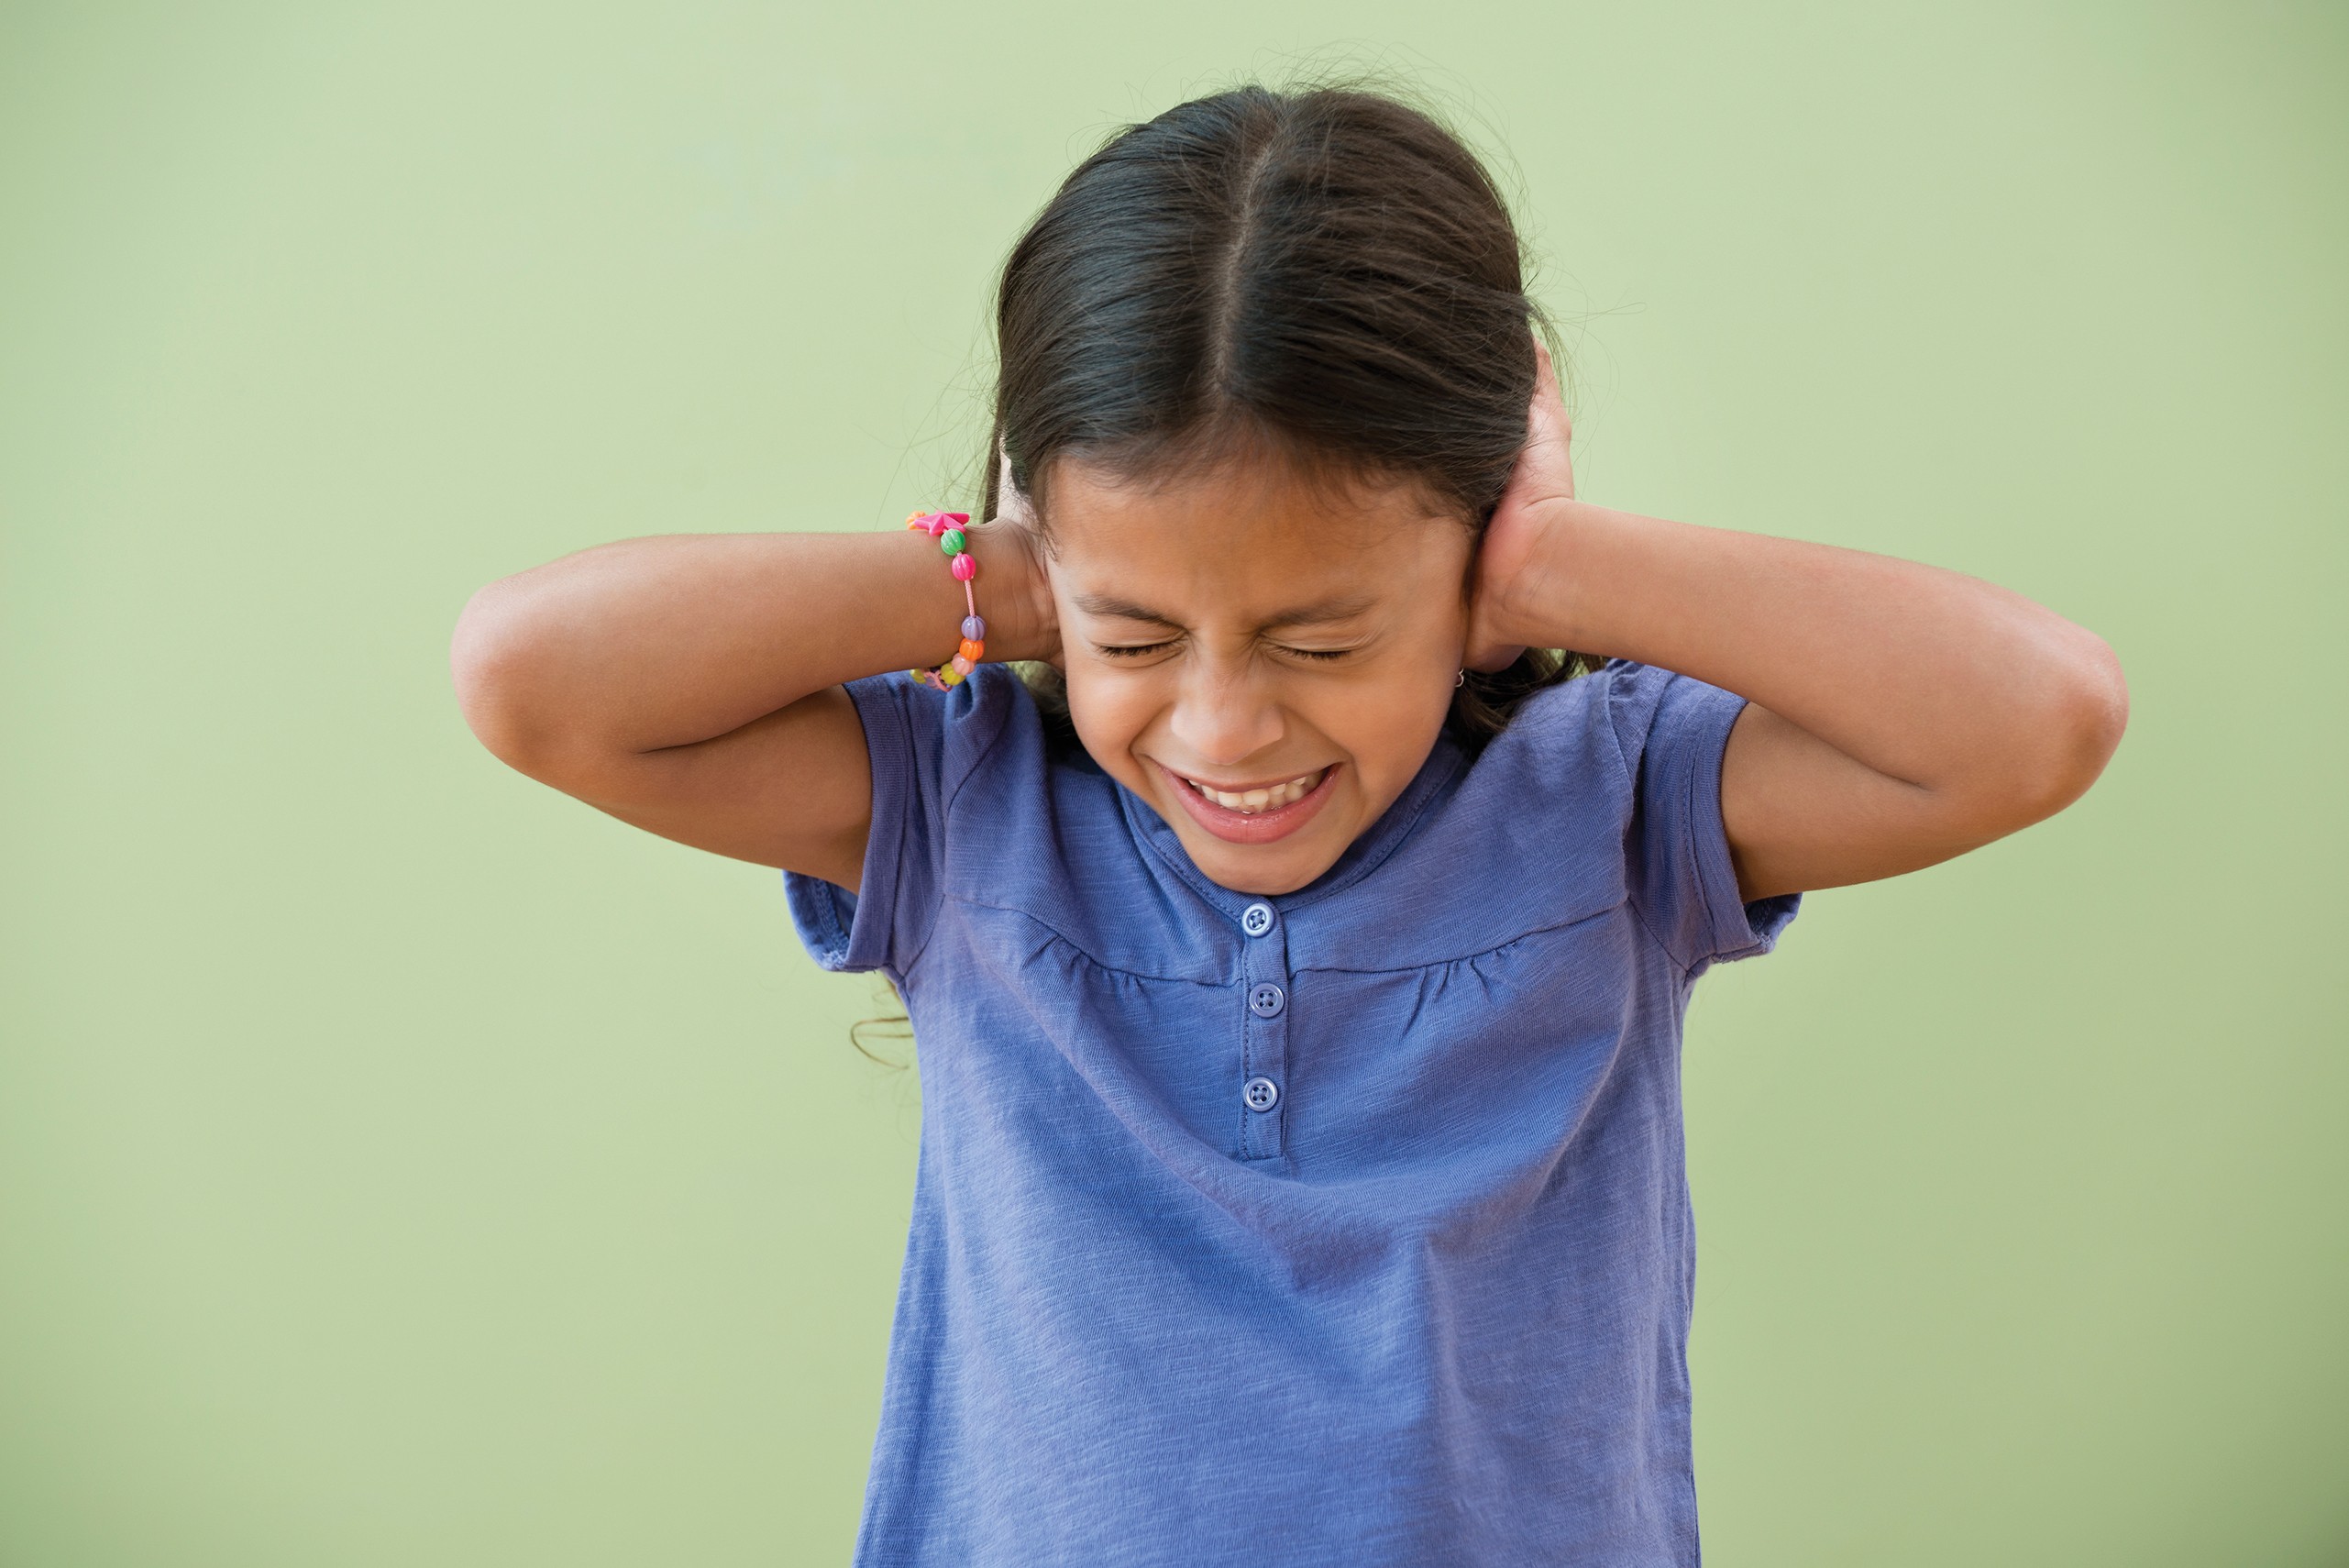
[(965, 568), (962, 664)]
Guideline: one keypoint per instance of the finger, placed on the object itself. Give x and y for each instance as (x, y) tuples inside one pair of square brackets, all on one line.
[(1491, 658), (1545, 373), (1008, 502)]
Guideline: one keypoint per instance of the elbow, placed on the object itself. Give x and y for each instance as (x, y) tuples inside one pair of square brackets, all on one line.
[(489, 664), (2082, 712)]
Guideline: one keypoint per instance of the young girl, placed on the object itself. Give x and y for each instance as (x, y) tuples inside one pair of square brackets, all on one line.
[(1298, 967)]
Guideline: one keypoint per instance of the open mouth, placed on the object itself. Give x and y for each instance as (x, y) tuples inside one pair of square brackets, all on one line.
[(1255, 813), (1248, 802)]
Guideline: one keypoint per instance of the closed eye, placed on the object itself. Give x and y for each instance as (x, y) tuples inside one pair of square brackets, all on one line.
[(1318, 653), (1129, 650)]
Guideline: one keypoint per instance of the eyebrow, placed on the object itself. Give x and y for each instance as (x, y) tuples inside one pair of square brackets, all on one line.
[(1319, 612)]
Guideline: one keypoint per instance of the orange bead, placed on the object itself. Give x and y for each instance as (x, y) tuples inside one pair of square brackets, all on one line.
[(971, 651)]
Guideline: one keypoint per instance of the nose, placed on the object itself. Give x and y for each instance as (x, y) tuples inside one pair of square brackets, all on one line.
[(1223, 713)]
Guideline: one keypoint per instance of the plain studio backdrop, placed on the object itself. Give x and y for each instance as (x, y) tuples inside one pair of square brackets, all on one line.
[(401, 1164)]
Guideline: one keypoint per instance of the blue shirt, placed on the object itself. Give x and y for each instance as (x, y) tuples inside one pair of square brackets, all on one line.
[(1348, 1226)]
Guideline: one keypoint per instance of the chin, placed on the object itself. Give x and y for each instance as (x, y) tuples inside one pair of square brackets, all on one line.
[(1267, 869)]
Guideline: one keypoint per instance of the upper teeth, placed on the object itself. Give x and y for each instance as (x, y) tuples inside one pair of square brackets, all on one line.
[(1260, 799)]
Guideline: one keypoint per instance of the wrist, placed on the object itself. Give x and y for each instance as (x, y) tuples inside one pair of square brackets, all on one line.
[(1014, 598), (1544, 603)]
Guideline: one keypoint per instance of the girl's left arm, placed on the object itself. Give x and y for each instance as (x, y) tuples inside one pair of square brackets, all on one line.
[(1898, 714)]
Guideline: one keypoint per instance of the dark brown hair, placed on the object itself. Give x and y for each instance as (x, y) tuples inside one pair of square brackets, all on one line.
[(1327, 275)]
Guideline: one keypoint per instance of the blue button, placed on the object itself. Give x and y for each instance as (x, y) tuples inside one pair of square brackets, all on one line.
[(1256, 918), (1261, 1094), (1267, 1000)]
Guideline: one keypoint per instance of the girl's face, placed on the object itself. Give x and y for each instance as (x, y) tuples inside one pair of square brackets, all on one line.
[(1267, 666)]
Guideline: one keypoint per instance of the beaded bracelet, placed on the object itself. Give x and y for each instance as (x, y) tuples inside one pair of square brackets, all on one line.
[(946, 528)]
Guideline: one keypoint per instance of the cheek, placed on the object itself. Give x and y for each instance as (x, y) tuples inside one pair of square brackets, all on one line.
[(1111, 709), (1386, 717), (1389, 726)]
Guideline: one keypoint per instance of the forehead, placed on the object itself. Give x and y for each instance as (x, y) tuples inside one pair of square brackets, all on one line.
[(1245, 538)]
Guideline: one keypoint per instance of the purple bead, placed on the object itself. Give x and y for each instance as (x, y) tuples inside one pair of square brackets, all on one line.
[(974, 628)]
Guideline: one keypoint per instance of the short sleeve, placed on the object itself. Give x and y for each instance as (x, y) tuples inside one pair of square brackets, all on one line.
[(1673, 731), (923, 745)]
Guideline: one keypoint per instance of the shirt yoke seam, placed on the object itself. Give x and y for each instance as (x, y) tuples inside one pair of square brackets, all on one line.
[(1080, 948), (1530, 931)]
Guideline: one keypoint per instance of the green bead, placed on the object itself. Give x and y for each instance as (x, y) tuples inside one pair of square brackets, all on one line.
[(952, 541)]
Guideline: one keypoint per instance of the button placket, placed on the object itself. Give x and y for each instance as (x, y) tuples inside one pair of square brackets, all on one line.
[(1264, 1003)]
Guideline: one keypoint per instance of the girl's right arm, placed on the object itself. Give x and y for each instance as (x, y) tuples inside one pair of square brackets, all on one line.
[(691, 684)]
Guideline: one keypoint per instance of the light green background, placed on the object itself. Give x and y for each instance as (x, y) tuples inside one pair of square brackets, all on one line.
[(403, 1164)]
